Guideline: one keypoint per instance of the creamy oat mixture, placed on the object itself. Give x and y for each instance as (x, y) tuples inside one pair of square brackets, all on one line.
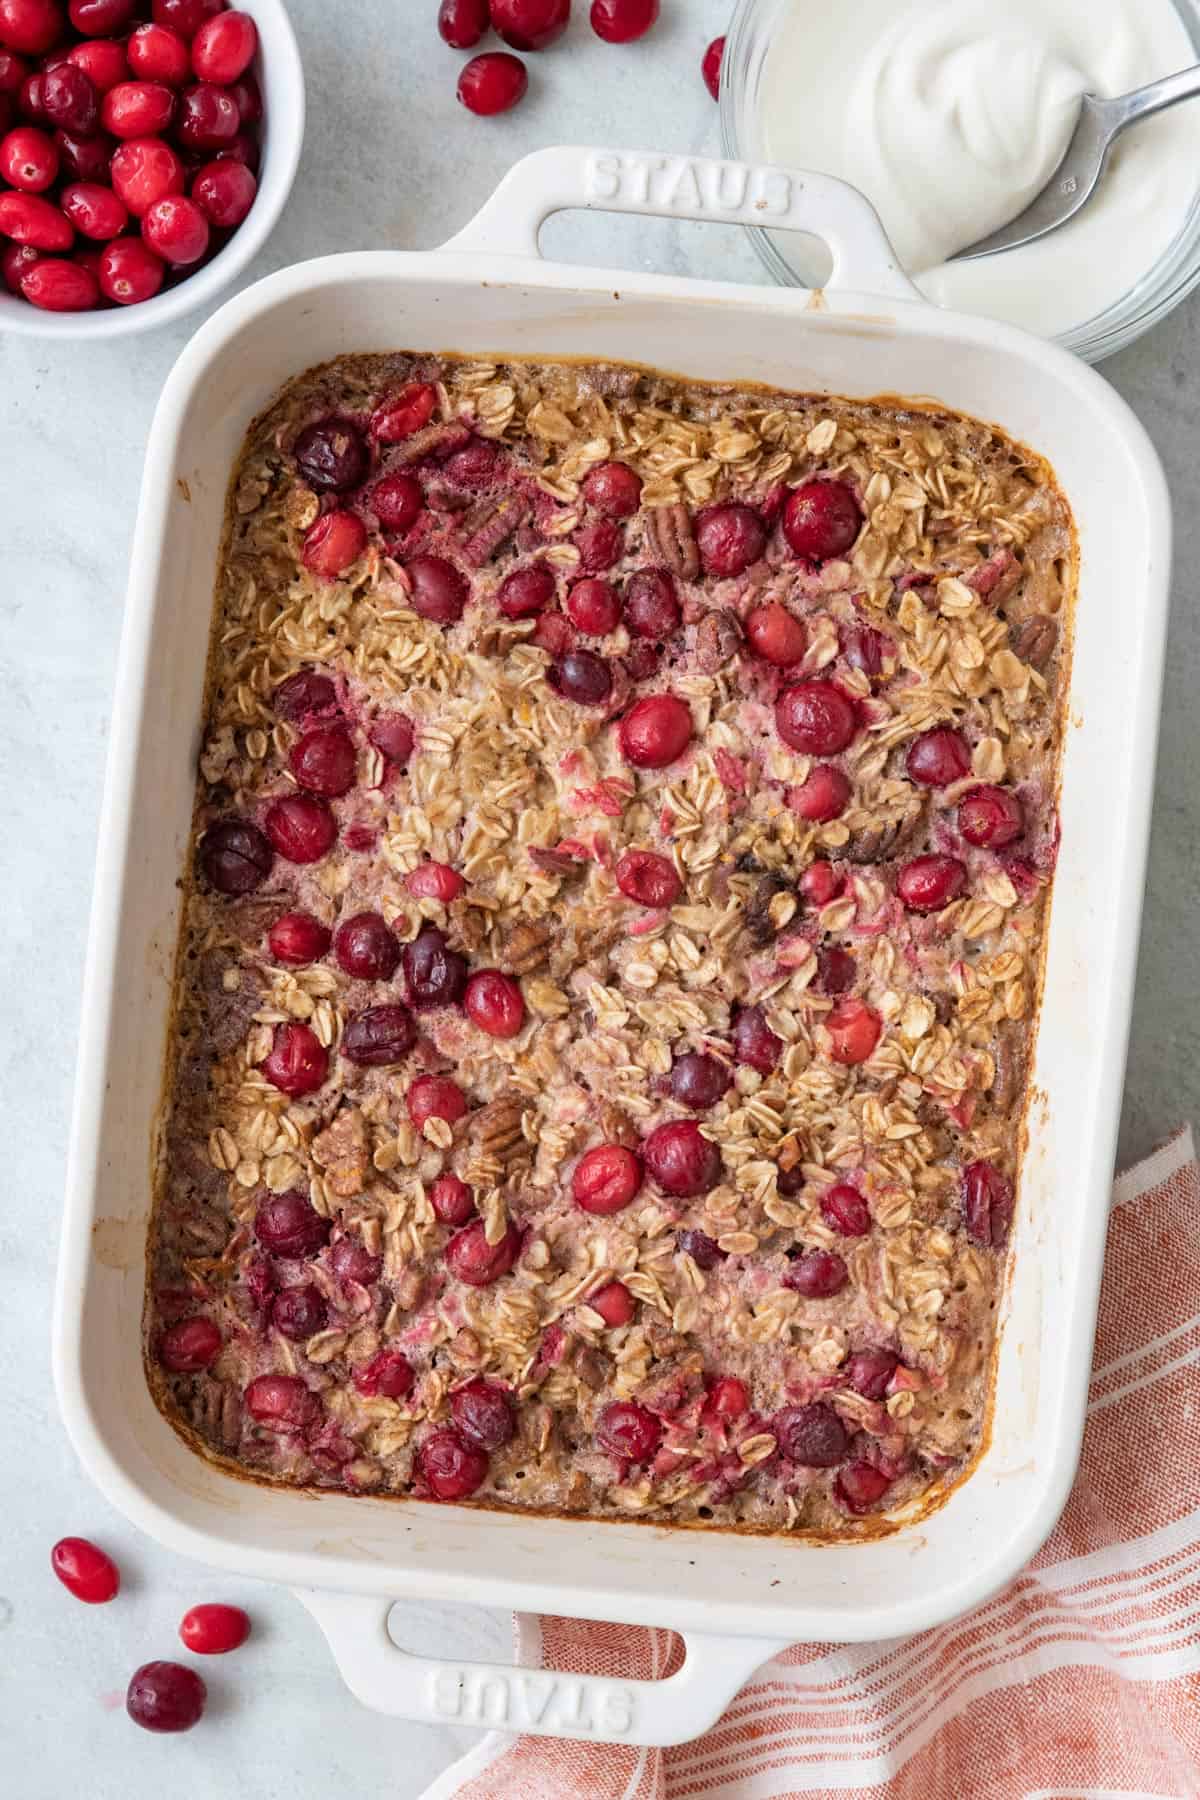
[(625, 819)]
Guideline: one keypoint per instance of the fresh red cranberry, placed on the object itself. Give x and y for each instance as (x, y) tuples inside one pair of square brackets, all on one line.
[(288, 1224), (156, 53), (729, 538), (530, 24), (103, 61), (189, 1347), (137, 109), (29, 160), (164, 1696), (13, 72), (492, 83), (681, 1160), (397, 500), (606, 1179), (648, 878), (868, 1372), (628, 1431), (820, 883), (987, 1201), (615, 1304), (301, 828), (130, 272), (651, 605), (836, 970), (435, 881), (185, 16), (845, 1210), (865, 649), (816, 718), (85, 1570), (248, 98), (87, 158), (623, 21), (31, 26), (145, 170), (583, 677), (452, 1200), (483, 1415), (817, 1275), (656, 731), (324, 761), (282, 1402), (298, 1313), (30, 219), (812, 1436), (365, 948), (613, 488), (860, 1486), (378, 1037), (435, 1097), (303, 694), (473, 1260), (727, 1398), (600, 545), (58, 286), (97, 18), (388, 1374), (825, 794), (224, 47), (704, 1251), (298, 1062), (450, 1469), (929, 883), (331, 455), (29, 99), (821, 519), (699, 1081), (403, 412), (526, 591), (754, 1043), (224, 192), (214, 1630), (434, 975), (593, 607), (938, 757), (462, 22), (177, 230), (991, 817), (297, 939), (776, 634), (70, 102), (351, 1261), (854, 1031), (710, 67), (93, 210), (494, 1002), (393, 736), (438, 591), (235, 857), (208, 117)]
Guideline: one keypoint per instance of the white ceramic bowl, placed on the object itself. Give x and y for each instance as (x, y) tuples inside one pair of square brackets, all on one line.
[(281, 76)]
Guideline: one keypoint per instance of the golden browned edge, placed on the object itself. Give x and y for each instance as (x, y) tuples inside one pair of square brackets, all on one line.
[(866, 1530)]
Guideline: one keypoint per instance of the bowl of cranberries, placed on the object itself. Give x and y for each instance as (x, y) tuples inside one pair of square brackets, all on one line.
[(147, 148)]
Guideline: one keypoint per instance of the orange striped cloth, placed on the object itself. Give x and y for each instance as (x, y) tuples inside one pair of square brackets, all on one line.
[(1080, 1682)]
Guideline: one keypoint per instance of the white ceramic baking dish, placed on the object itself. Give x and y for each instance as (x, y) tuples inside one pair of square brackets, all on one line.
[(736, 1599)]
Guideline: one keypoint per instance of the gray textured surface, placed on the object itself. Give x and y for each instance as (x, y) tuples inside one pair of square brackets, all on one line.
[(390, 159)]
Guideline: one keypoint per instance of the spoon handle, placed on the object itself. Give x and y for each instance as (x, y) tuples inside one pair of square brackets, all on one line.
[(1129, 109)]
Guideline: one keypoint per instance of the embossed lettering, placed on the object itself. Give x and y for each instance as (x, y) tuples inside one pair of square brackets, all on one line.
[(536, 1698), (484, 1688), (617, 1712), (603, 177), (775, 192), (684, 190), (572, 1711), (447, 1688), (731, 185)]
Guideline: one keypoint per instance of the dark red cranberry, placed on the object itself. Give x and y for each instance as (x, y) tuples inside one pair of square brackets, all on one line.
[(235, 857), (593, 607), (29, 160), (70, 101), (699, 1081), (289, 1225), (474, 466), (93, 210), (553, 634), (754, 1043), (214, 1630), (137, 109), (434, 975), (164, 1696), (526, 591), (530, 24), (681, 1160), (331, 456), (143, 170), (641, 660), (435, 881), (31, 219), (987, 1201), (438, 591), (729, 538), (613, 488), (248, 97), (790, 1181), (224, 47), (776, 634), (938, 757), (351, 1261), (398, 501), (31, 27), (189, 1347), (97, 18), (85, 1570), (727, 1398), (324, 761), (450, 1469), (388, 1374), (29, 99), (483, 1415), (820, 883), (600, 545), (606, 1179), (825, 794), (472, 1259), (868, 1372), (812, 1436), (298, 939), (854, 1030), (334, 541), (929, 883), (208, 117), (452, 1200), (224, 192), (176, 230), (836, 970), (435, 1097), (710, 67), (298, 1313), (628, 1431), (282, 1403), (821, 519), (656, 731), (865, 649), (378, 1037), (648, 878), (393, 736), (156, 53), (816, 718), (494, 1002), (462, 22), (492, 83), (817, 1275), (403, 412), (991, 817), (301, 827), (298, 1062), (704, 1251), (185, 16), (365, 948), (13, 72), (845, 1210), (860, 1486), (90, 159), (302, 695), (583, 677), (651, 605), (623, 21), (615, 1304)]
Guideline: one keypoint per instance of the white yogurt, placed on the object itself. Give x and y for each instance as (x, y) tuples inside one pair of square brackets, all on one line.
[(952, 114)]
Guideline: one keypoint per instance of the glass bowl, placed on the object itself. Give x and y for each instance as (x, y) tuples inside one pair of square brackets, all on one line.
[(1148, 301)]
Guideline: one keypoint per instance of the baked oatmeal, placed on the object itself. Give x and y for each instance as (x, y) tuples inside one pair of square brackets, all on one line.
[(625, 820)]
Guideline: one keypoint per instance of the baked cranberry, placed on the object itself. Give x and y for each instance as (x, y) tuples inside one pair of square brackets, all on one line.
[(378, 1037), (987, 1203), (397, 500), (727, 1398), (102, 61), (865, 649), (820, 883), (137, 109), (189, 1347), (129, 272), (452, 1200), (224, 192), (450, 1469), (302, 694), (351, 1261), (991, 817), (208, 117), (776, 634), (494, 1002), (704, 1251), (938, 757), (392, 735), (301, 827), (526, 591), (699, 1081), (628, 1431), (474, 466), (214, 1630), (821, 519), (70, 101), (185, 16), (30, 219), (164, 1696), (177, 230), (437, 590), (492, 83), (615, 1304), (860, 1486), (434, 975), (388, 1374), (929, 883), (817, 1274), (836, 970), (655, 732), (854, 1031), (96, 18), (235, 857), (298, 939), (812, 1436), (87, 158), (58, 286), (754, 1043), (85, 1570), (403, 412), (583, 677), (156, 53), (729, 538), (651, 605), (462, 22), (593, 607), (224, 47), (845, 1210), (145, 170), (435, 881), (435, 1097), (324, 761), (331, 456), (648, 878), (868, 1372), (600, 545), (682, 1161), (473, 1260), (790, 1181), (622, 21), (613, 488), (31, 26), (299, 1312), (29, 159), (641, 661), (93, 210), (710, 67), (816, 718), (281, 1402), (825, 794), (483, 1415), (606, 1179), (298, 1062), (365, 948), (530, 24)]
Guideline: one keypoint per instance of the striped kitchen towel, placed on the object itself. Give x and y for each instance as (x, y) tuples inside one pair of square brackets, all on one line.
[(1080, 1682)]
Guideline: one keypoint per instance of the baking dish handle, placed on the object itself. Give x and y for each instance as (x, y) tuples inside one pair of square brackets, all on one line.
[(537, 1702), (689, 187)]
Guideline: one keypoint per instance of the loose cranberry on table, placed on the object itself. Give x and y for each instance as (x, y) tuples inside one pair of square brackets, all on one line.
[(494, 1003), (462, 23), (655, 732), (854, 1030), (845, 1210), (526, 591), (710, 67), (129, 272), (987, 1202), (449, 1468), (145, 170), (452, 1200), (530, 24), (492, 83), (190, 1346), (820, 883), (869, 1372), (378, 1037), (483, 1415), (388, 1375), (298, 1062), (606, 1179), (102, 61), (816, 718), (628, 1431), (776, 634), (729, 538), (177, 230), (235, 857), (29, 159), (364, 947), (823, 796), (615, 1304), (85, 1570), (648, 878), (816, 1275), (704, 1251), (434, 975), (929, 883), (31, 27), (681, 1160), (214, 1630), (224, 47), (821, 519), (991, 817), (754, 1043), (300, 826), (836, 970), (435, 1097), (57, 286), (938, 757), (32, 219), (583, 677), (651, 605), (593, 607), (224, 192), (812, 1436), (472, 1259), (297, 939), (93, 210), (437, 590), (623, 21), (289, 1225), (860, 1486), (156, 53), (613, 488), (298, 1313), (164, 1696), (282, 1402), (699, 1081)]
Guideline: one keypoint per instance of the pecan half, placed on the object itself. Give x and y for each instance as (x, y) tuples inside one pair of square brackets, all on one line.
[(431, 440), (760, 927), (718, 640), (526, 948), (557, 862), (1009, 1057), (1036, 639), (669, 534), (217, 1412), (593, 1367), (490, 525), (341, 1150), (880, 839), (616, 1127), (496, 1128)]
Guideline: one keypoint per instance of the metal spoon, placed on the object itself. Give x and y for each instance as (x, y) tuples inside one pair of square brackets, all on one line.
[(1077, 177)]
